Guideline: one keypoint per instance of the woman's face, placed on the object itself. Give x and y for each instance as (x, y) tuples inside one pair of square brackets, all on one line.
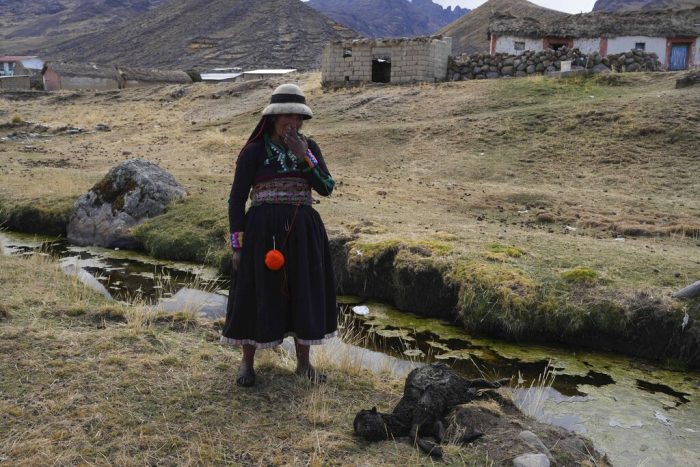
[(287, 123)]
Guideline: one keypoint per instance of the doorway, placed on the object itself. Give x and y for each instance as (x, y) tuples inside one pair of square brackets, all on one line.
[(381, 70)]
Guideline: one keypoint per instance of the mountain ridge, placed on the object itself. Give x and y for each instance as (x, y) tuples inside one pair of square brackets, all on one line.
[(208, 33), (470, 32), (389, 18)]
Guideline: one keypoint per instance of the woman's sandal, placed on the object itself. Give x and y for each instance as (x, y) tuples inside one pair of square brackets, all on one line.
[(311, 374), (245, 377)]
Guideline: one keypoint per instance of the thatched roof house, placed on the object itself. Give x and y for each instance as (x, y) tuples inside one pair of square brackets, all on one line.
[(671, 34), (650, 23), (147, 77), (70, 75)]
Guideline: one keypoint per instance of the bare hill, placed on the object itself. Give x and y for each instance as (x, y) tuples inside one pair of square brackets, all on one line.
[(26, 25), (205, 33), (389, 18), (470, 33), (624, 5)]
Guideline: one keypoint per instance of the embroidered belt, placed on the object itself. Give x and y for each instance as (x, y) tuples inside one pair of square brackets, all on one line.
[(282, 191)]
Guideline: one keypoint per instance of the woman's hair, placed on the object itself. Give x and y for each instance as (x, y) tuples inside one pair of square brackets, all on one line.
[(258, 132)]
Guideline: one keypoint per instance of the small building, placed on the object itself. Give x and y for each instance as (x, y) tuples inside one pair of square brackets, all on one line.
[(9, 64), (64, 75), (267, 73), (670, 34), (399, 60), (139, 77)]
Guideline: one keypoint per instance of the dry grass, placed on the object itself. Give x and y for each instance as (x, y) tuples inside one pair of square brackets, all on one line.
[(87, 382), (554, 168)]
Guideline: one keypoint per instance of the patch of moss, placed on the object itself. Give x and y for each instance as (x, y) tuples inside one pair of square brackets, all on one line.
[(498, 252), (40, 216), (190, 230), (580, 275), (368, 251), (494, 297)]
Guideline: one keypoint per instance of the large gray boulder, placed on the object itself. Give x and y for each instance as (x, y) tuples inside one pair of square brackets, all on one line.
[(130, 193)]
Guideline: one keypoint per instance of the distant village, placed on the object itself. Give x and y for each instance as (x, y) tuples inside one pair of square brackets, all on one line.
[(650, 40)]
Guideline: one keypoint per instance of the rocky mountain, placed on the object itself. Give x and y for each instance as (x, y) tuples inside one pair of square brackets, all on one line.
[(623, 5), (207, 33), (470, 32), (389, 18), (30, 24)]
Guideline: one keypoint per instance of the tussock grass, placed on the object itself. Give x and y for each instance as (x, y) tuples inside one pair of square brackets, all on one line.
[(129, 389)]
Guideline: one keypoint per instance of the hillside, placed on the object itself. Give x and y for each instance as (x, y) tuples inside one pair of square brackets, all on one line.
[(622, 5), (469, 33), (206, 33), (30, 25), (389, 18)]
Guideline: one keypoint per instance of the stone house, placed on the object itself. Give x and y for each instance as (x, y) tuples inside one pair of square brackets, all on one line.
[(401, 60), (671, 34), (64, 75)]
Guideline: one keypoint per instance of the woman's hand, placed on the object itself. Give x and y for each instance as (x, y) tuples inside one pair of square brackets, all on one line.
[(235, 260), (296, 142)]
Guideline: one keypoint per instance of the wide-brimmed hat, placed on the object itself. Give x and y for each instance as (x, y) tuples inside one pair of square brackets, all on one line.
[(288, 99)]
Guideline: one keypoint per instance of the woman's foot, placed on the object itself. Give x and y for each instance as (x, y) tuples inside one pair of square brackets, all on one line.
[(245, 376), (311, 374)]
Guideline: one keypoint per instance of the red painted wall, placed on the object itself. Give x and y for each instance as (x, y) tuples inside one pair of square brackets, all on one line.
[(52, 81)]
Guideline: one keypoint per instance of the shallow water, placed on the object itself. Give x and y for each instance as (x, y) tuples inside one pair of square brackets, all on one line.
[(635, 412)]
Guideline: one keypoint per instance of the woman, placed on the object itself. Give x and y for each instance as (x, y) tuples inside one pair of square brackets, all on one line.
[(269, 302)]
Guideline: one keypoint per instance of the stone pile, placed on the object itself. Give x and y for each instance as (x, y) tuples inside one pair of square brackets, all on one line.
[(485, 66)]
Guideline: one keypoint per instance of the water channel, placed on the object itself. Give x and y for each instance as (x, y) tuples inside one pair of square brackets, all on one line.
[(634, 411)]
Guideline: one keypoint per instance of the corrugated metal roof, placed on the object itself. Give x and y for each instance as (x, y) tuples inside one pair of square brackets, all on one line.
[(219, 76), (280, 71)]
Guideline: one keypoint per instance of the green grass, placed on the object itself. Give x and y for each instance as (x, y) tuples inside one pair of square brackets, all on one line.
[(193, 229), (40, 216)]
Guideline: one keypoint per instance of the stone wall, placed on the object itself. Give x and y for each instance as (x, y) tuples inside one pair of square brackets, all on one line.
[(485, 66), (412, 60), (14, 83)]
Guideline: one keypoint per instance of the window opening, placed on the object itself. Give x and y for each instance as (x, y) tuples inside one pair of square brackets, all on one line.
[(640, 46), (347, 53), (556, 45), (519, 46)]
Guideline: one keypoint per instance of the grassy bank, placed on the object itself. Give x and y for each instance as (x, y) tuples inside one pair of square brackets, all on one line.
[(536, 208), (90, 382)]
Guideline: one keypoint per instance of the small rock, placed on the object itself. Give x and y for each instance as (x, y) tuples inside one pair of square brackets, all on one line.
[(102, 127), (531, 460), (531, 439), (601, 68)]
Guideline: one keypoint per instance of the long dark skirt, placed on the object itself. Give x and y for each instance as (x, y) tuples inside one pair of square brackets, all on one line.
[(264, 306)]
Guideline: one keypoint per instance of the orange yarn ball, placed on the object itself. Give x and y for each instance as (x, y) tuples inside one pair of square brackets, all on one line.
[(274, 260)]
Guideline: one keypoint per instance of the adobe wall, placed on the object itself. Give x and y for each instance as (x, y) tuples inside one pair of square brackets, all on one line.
[(412, 60), (75, 82), (15, 83)]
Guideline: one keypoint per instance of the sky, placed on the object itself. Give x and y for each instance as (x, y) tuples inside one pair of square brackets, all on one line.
[(569, 6)]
